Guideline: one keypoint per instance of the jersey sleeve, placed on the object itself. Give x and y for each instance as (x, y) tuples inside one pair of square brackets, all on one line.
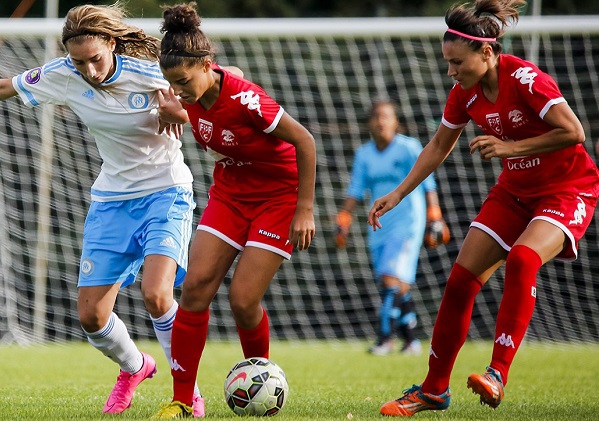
[(455, 115), (537, 89), (357, 182), (42, 85), (264, 111)]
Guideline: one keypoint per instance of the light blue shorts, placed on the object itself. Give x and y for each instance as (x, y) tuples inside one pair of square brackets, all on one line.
[(118, 235), (397, 258)]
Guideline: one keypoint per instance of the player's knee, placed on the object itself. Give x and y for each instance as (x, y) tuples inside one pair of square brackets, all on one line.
[(458, 282), (520, 257), (91, 321)]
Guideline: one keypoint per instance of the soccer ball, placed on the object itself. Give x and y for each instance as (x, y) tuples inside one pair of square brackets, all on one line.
[(256, 386)]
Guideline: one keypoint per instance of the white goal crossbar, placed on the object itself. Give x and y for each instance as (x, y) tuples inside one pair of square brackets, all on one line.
[(318, 26)]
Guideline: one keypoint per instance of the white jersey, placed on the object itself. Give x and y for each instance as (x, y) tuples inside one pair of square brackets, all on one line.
[(122, 116)]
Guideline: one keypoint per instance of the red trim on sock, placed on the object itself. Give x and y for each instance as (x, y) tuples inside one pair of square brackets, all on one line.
[(256, 342), (190, 331), (451, 327), (517, 306)]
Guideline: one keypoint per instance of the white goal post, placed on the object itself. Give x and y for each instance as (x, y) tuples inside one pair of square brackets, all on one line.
[(326, 73)]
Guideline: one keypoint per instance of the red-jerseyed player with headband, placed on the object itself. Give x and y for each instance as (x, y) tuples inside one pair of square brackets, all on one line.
[(260, 205), (539, 209)]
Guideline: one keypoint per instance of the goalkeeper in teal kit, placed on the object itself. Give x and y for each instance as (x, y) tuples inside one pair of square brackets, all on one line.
[(379, 166)]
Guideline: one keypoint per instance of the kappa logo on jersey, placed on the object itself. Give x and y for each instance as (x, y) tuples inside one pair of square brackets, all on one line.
[(89, 94), (269, 234), (205, 130), (33, 76), (579, 214), (517, 118), (250, 99), (494, 122), (228, 138), (526, 76), (505, 340), (471, 100), (138, 101)]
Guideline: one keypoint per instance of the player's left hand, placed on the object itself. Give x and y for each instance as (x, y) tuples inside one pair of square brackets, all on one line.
[(491, 147), (302, 229), (170, 109), (174, 130)]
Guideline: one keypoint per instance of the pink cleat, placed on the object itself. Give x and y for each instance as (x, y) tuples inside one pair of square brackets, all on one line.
[(122, 393), (198, 406)]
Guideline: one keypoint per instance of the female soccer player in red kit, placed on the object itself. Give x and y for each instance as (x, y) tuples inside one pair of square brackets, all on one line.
[(539, 209), (260, 205)]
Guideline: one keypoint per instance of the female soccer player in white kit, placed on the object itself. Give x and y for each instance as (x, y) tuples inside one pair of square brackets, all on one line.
[(142, 200)]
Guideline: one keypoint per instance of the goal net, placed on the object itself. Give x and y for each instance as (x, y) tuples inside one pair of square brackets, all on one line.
[(326, 73)]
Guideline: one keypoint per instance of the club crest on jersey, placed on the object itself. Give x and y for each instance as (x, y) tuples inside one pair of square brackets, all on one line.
[(138, 101), (517, 118), (494, 123), (205, 130), (33, 76), (228, 138)]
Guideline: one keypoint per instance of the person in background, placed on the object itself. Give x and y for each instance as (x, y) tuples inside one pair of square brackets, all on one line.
[(260, 204), (379, 165), (141, 202), (538, 211)]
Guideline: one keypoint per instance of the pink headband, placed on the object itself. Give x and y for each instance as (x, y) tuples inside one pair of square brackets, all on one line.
[(472, 37)]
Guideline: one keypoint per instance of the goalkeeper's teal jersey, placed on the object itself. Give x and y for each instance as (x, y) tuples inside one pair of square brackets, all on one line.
[(376, 173)]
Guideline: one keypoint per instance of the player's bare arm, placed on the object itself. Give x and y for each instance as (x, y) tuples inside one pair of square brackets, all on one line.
[(568, 131), (433, 154), (303, 228), (6, 89)]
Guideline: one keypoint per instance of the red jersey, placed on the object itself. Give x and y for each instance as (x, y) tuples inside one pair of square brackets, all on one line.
[(250, 162), (525, 95)]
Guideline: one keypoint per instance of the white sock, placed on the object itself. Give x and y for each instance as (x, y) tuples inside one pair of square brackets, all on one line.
[(163, 327), (113, 340)]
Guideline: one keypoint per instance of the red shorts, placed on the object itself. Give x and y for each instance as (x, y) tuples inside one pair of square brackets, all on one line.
[(262, 224), (505, 217)]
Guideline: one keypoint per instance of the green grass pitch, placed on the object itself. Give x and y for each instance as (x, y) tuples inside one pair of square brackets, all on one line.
[(329, 380)]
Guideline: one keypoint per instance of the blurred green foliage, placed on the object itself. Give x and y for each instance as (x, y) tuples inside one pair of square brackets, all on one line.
[(298, 8)]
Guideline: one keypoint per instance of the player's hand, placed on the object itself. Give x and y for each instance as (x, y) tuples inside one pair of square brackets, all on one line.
[(344, 220), (437, 231), (170, 109), (491, 147), (302, 229), (380, 207), (173, 130)]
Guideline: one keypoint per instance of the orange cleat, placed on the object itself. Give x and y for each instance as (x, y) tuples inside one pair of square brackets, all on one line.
[(489, 386), (415, 400)]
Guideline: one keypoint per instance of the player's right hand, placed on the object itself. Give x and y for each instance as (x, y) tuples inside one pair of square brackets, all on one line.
[(344, 220), (380, 207)]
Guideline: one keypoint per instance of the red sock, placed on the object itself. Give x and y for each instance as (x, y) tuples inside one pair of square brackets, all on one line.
[(517, 306), (256, 342), (451, 327), (188, 339)]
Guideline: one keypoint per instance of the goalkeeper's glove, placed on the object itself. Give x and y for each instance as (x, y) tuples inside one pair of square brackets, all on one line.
[(344, 220), (436, 231)]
